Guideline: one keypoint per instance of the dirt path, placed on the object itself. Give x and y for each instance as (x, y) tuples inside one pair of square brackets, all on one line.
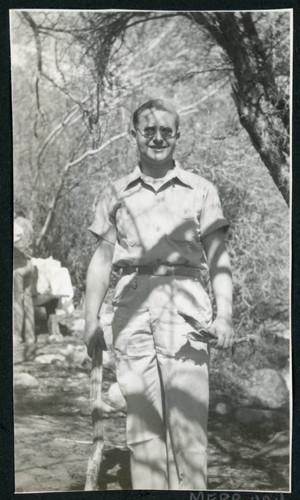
[(53, 432)]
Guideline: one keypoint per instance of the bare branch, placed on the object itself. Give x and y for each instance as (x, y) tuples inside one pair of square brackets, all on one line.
[(167, 15), (58, 192), (93, 152), (41, 71), (54, 132), (188, 109)]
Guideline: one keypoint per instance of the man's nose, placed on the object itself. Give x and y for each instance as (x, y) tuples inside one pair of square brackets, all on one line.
[(158, 137)]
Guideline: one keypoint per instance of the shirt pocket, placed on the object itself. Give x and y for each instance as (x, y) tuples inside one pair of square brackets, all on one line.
[(127, 228), (185, 225)]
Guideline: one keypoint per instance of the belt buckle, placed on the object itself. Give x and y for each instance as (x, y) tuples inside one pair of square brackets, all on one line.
[(162, 270)]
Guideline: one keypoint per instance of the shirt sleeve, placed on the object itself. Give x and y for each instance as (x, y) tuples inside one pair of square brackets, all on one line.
[(212, 217), (104, 225)]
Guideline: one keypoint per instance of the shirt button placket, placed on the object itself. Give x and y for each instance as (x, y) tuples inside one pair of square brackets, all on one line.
[(156, 200)]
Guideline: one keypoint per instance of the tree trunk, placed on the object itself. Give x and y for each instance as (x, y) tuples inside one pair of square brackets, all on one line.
[(263, 110)]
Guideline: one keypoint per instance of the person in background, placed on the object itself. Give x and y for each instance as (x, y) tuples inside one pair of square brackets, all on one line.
[(160, 224), (23, 311)]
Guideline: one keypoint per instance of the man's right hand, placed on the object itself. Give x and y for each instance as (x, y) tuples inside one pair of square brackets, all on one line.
[(94, 335)]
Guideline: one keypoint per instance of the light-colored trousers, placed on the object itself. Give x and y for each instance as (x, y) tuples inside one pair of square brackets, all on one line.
[(163, 375)]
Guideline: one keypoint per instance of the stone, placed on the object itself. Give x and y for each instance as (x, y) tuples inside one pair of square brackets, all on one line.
[(24, 381), (265, 388), (75, 354), (43, 338), (82, 399), (254, 415), (46, 359), (223, 408), (52, 339), (277, 446)]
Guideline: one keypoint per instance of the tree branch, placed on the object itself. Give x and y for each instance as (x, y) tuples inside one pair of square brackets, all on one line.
[(57, 194), (188, 109), (93, 152)]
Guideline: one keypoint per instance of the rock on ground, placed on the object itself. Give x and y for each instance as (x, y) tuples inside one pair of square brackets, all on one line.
[(24, 381), (265, 388), (46, 359)]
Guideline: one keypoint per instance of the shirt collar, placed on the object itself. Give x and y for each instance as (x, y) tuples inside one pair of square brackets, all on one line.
[(176, 173)]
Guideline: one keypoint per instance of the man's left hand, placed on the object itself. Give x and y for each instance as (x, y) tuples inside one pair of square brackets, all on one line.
[(223, 327)]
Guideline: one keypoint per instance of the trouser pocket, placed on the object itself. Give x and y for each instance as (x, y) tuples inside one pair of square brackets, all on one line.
[(192, 299), (125, 290)]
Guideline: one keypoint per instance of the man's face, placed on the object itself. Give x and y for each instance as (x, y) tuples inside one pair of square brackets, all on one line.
[(156, 136)]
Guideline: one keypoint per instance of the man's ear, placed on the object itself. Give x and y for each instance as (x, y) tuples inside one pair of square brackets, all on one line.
[(177, 135), (133, 137)]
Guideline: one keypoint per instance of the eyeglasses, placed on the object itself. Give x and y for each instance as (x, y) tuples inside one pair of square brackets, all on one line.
[(149, 132)]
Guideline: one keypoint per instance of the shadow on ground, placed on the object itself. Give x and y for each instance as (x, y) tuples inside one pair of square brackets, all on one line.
[(53, 436)]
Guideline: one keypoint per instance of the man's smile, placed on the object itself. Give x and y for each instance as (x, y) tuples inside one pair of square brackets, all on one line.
[(155, 136)]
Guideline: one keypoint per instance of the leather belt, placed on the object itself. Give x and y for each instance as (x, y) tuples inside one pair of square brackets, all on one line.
[(162, 270)]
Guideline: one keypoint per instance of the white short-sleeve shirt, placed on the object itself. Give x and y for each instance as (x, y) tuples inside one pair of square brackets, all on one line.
[(162, 222)]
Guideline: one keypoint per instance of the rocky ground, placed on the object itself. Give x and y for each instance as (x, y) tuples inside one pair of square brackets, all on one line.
[(248, 447)]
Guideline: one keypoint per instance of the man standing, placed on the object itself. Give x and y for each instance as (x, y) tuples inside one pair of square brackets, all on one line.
[(158, 224)]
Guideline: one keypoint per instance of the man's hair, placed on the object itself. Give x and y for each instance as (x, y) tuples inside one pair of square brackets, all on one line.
[(157, 104)]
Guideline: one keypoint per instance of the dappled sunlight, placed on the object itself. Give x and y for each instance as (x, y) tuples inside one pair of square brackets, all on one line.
[(74, 146)]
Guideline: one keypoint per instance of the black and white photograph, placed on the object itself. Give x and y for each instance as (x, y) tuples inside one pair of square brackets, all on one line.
[(152, 250)]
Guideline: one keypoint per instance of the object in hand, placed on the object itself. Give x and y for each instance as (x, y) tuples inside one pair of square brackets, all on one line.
[(203, 334)]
